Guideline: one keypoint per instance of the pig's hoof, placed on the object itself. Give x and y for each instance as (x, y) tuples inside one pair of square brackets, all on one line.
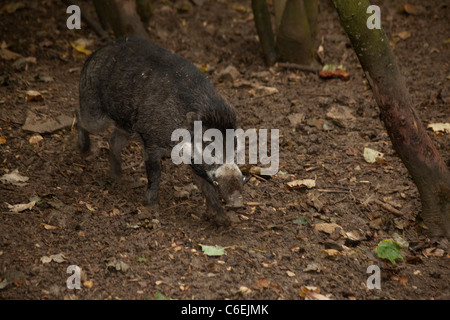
[(152, 206), (116, 176), (233, 217), (222, 220)]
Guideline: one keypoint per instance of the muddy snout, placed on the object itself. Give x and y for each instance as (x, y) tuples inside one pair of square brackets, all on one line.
[(234, 201)]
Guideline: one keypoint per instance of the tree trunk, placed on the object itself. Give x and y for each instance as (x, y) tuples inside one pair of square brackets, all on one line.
[(122, 17), (144, 10), (264, 28), (408, 136), (278, 8), (294, 41), (312, 11)]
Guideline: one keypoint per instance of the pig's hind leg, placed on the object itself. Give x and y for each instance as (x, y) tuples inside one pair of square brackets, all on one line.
[(84, 142), (118, 140), (89, 119)]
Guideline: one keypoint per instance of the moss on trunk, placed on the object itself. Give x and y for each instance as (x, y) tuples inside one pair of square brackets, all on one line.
[(408, 136)]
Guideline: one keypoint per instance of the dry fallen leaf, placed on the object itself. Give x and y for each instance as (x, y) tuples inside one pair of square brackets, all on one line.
[(21, 207), (35, 139), (330, 253), (309, 183), (314, 266), (353, 235), (117, 265), (33, 95), (329, 228), (410, 9), (14, 178), (22, 63), (48, 227), (42, 123), (81, 44), (311, 293), (435, 252), (262, 91), (261, 284), (331, 71), (7, 54), (372, 156), (244, 290), (290, 273), (403, 280), (440, 127), (58, 258), (404, 35), (12, 7)]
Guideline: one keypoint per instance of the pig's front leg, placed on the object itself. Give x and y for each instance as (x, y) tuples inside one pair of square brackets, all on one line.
[(214, 209), (153, 168)]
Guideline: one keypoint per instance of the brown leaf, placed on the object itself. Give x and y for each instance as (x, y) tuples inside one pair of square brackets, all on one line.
[(13, 7), (261, 283), (311, 293), (404, 35), (435, 252), (403, 280), (7, 54), (309, 183), (410, 9), (48, 227), (338, 73), (36, 123), (329, 228), (33, 95)]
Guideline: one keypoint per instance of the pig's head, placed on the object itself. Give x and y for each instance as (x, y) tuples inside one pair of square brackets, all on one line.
[(226, 178), (228, 181)]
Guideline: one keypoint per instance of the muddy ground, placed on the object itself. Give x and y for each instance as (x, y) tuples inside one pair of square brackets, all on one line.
[(274, 249)]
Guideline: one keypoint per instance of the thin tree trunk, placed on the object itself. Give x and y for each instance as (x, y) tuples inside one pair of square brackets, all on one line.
[(278, 8), (408, 136), (144, 10), (312, 11), (122, 16), (264, 28), (294, 42)]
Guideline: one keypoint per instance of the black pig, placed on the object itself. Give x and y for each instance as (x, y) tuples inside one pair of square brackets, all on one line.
[(147, 92)]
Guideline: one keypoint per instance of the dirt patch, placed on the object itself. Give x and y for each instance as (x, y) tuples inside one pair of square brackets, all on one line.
[(276, 248)]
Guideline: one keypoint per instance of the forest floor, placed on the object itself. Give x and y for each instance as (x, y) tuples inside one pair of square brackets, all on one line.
[(286, 241)]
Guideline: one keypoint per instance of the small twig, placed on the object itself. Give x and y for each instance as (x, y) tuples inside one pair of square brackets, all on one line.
[(179, 205), (288, 65), (333, 191), (388, 207), (259, 177), (337, 187)]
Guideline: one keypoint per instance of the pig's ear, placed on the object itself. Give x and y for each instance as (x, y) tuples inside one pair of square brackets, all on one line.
[(191, 117)]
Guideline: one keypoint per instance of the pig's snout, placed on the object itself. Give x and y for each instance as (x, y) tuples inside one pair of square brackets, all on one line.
[(235, 201)]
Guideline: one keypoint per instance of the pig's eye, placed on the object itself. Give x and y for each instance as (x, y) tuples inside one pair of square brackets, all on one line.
[(215, 183), (246, 178)]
